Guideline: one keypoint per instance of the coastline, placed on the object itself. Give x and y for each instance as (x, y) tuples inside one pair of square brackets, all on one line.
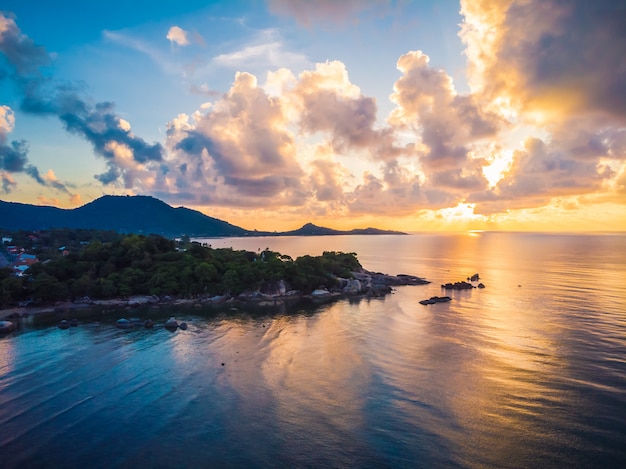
[(364, 284)]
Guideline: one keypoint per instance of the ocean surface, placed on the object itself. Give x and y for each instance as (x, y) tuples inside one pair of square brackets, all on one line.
[(528, 373)]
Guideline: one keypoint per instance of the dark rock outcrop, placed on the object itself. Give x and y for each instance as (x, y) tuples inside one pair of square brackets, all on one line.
[(436, 299), (457, 286)]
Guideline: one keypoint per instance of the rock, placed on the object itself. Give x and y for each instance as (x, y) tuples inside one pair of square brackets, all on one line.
[(148, 324), (183, 326), (481, 285), (171, 324), (436, 299), (64, 324), (474, 278), (137, 301), (353, 287), (123, 323), (6, 326), (320, 293), (457, 286), (366, 277)]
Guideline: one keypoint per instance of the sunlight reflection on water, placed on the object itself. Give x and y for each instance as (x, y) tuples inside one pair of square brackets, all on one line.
[(530, 372)]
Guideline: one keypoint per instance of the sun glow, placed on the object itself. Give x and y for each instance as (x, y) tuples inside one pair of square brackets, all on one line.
[(498, 167), (462, 212)]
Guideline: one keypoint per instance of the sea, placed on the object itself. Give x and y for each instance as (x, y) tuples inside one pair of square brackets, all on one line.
[(529, 372)]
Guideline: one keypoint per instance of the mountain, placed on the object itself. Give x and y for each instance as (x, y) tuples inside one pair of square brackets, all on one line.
[(136, 214), (143, 214), (313, 230)]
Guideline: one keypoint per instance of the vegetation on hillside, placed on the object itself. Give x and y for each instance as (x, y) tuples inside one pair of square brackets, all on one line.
[(113, 265)]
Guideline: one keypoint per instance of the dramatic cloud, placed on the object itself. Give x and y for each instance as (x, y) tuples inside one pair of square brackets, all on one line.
[(14, 155), (555, 69), (544, 118), (449, 128), (109, 134), (549, 55), (242, 145), (539, 172), (327, 101), (177, 35), (14, 158), (398, 192)]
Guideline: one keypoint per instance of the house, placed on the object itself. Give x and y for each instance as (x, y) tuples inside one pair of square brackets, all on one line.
[(26, 259), (19, 270), (23, 263)]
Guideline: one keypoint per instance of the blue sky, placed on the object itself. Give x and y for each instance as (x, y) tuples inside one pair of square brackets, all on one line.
[(281, 111)]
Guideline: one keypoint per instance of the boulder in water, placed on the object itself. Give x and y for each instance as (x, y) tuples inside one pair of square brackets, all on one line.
[(171, 324), (123, 323), (436, 299), (6, 326)]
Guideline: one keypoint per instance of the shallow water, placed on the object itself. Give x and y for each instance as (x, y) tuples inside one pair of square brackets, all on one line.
[(529, 372)]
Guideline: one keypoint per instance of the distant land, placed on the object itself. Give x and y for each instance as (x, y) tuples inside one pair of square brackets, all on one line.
[(147, 215)]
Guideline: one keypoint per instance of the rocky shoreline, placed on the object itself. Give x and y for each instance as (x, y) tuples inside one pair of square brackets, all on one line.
[(363, 284)]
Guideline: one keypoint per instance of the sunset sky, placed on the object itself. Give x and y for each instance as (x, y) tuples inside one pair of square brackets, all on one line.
[(410, 115)]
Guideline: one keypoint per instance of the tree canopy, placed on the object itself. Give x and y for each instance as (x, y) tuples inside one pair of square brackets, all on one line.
[(124, 265)]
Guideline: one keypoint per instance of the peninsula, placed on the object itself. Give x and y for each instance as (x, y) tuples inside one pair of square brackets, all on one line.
[(94, 266)]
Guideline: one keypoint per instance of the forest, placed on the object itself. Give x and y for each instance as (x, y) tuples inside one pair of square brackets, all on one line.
[(102, 265)]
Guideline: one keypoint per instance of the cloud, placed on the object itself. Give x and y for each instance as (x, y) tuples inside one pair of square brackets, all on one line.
[(328, 102), (204, 90), (549, 55), (446, 122), (98, 123), (322, 11), (22, 54), (7, 122), (540, 172), (546, 107), (399, 192), (7, 183), (556, 70), (326, 180), (265, 52), (161, 59), (52, 202), (177, 35), (241, 149)]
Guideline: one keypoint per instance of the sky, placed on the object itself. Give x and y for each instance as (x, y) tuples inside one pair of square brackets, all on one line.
[(425, 115)]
